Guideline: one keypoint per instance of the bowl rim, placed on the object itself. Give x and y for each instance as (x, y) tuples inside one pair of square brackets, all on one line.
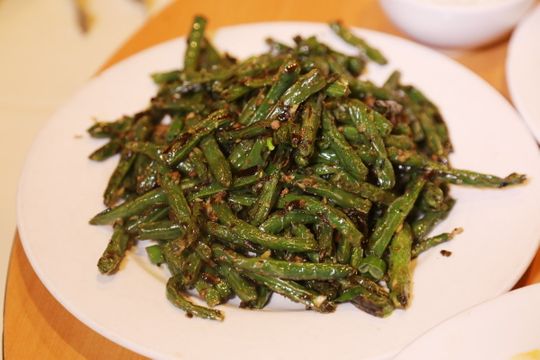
[(473, 7)]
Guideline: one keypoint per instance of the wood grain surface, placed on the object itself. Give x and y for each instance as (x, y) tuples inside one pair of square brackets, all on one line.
[(36, 326)]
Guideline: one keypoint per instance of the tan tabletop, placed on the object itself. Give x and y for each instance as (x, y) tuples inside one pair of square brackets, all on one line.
[(36, 326)]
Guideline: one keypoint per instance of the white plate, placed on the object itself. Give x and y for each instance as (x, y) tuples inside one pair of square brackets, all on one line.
[(522, 72), (497, 330), (60, 190)]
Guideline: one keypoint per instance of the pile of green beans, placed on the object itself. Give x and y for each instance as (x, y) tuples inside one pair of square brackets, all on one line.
[(282, 173)]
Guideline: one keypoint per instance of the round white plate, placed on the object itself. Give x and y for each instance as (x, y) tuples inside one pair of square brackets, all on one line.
[(522, 71), (499, 329), (61, 189)]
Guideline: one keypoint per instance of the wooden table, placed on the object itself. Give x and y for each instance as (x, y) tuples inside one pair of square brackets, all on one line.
[(36, 326)]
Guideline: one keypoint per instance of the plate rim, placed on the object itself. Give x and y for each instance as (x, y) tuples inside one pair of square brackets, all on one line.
[(146, 351), (490, 303), (515, 40)]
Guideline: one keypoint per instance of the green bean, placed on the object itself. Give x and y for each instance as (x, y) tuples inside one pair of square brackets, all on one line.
[(339, 69), (367, 301), (159, 230), (399, 273), (241, 287), (323, 169), (303, 88), (345, 153), (344, 251), (244, 231), (453, 176), (422, 226), (178, 299), (420, 247), (219, 166), (153, 214), (287, 74), (268, 196), (394, 217), (257, 65), (338, 88), (175, 196), (227, 236), (204, 251), (185, 167), (212, 58), (403, 128), (213, 189), (114, 190), (198, 160), (367, 283), (353, 135), (357, 254), (282, 269), (263, 297), (366, 89), (151, 150), (311, 119), (235, 92), (295, 292), (250, 107), (208, 292), (286, 134), (366, 190), (432, 197), (190, 269), (400, 142), (418, 134), (318, 186), (165, 77), (269, 192), (111, 148), (330, 289), (278, 221), (186, 141), (145, 174), (174, 253), (324, 234), (356, 65), (130, 207), (114, 253), (239, 152), (363, 119), (352, 39), (259, 82), (302, 231), (154, 254), (221, 285), (393, 81), (372, 266), (242, 199), (194, 42), (109, 129), (335, 217), (433, 140), (249, 156), (442, 131), (254, 130)]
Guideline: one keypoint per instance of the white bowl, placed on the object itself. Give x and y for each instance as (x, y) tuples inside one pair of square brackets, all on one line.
[(456, 24)]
